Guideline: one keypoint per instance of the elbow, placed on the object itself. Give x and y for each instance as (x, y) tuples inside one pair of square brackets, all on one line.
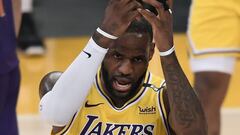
[(49, 112)]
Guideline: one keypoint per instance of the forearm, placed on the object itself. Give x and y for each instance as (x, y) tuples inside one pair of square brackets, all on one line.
[(186, 113), (16, 5), (70, 91)]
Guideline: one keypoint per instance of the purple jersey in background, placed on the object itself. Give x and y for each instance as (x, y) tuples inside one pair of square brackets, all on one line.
[(9, 72), (8, 56)]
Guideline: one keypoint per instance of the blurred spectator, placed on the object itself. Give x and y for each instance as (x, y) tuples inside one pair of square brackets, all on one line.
[(10, 13), (29, 40), (214, 35)]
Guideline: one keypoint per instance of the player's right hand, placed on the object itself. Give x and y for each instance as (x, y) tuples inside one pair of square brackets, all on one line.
[(118, 16)]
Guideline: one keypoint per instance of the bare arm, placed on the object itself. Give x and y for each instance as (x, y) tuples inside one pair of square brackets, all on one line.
[(186, 116), (16, 5)]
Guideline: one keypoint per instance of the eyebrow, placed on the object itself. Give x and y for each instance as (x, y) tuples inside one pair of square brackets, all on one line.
[(118, 52)]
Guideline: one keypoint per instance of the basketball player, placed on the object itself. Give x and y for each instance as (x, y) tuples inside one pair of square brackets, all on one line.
[(122, 96), (214, 35), (9, 71)]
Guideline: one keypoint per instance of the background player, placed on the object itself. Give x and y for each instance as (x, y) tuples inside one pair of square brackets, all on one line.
[(10, 14), (214, 35), (29, 42), (120, 79)]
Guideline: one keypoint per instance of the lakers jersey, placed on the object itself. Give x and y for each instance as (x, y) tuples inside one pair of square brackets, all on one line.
[(214, 28), (144, 114)]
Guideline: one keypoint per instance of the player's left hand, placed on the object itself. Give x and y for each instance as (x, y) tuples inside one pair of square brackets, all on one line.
[(162, 25)]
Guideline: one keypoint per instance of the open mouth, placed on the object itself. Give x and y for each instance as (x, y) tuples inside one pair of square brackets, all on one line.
[(121, 87)]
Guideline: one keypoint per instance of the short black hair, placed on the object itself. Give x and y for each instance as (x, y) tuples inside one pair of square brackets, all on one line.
[(141, 26)]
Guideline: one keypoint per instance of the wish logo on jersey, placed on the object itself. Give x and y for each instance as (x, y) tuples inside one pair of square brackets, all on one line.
[(147, 110), (93, 126)]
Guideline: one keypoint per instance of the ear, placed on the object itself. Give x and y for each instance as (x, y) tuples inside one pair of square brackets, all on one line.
[(151, 51)]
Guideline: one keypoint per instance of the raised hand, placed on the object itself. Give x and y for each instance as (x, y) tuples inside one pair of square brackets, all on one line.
[(161, 24), (118, 16)]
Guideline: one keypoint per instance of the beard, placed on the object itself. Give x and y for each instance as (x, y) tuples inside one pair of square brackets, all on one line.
[(108, 81)]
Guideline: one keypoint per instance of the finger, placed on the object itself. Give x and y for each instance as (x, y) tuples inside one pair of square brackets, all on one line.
[(140, 1), (149, 16), (170, 3), (133, 15), (125, 1), (164, 3), (154, 3), (134, 5), (158, 6)]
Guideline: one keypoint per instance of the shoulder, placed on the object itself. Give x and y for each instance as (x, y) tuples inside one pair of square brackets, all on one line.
[(157, 81)]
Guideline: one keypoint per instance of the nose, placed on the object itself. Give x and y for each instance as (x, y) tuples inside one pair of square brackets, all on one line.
[(125, 67)]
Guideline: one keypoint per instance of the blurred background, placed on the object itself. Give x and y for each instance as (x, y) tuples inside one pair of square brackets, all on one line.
[(65, 26)]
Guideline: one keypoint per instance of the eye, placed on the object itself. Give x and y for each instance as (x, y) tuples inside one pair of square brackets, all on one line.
[(117, 56), (138, 60)]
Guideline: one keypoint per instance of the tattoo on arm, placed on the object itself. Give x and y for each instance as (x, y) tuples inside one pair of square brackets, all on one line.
[(185, 109)]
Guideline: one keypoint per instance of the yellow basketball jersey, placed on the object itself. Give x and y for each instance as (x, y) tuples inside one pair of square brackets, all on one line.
[(144, 114), (214, 28)]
